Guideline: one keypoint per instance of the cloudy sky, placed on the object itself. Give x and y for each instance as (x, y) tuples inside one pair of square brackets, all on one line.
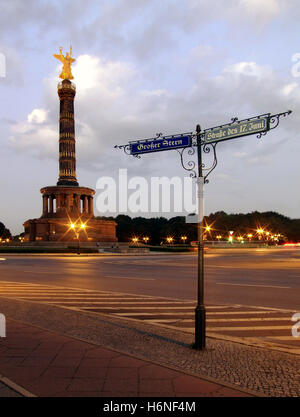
[(143, 67)]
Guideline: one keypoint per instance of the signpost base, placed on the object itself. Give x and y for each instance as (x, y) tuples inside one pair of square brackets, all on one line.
[(200, 328)]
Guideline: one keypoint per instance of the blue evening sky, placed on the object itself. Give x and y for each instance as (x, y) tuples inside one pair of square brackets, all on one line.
[(148, 66)]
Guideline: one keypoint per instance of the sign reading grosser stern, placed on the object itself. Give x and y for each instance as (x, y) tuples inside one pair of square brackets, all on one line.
[(242, 128), (162, 144)]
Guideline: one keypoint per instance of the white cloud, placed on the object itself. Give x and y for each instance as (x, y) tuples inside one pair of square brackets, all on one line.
[(288, 89), (240, 154), (37, 116), (262, 10), (249, 69), (103, 76)]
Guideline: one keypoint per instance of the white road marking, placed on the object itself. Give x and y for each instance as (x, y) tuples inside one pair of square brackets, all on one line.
[(138, 308), (250, 328), (151, 314), (120, 303), (40, 272), (250, 319), (290, 338), (215, 313), (251, 285), (122, 277), (80, 299)]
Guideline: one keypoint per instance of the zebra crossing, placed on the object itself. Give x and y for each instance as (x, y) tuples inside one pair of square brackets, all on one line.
[(246, 324)]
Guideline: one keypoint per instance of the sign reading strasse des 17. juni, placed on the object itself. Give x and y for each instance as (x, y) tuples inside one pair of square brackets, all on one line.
[(160, 144), (235, 130)]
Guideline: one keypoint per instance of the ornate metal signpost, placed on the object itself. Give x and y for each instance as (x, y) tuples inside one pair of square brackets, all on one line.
[(204, 142)]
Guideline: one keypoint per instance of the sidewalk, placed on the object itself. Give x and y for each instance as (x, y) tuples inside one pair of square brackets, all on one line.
[(47, 364)]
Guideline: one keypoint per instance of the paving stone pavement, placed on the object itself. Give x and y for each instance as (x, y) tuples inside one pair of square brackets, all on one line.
[(259, 370), (48, 364)]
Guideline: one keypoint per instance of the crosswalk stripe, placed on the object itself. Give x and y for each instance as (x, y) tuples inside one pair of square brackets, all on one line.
[(250, 328), (232, 313), (122, 277), (86, 297), (137, 308), (121, 303), (151, 314), (289, 338), (251, 285), (250, 319)]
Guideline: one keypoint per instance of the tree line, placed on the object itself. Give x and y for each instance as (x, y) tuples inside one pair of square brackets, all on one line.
[(220, 223), (4, 232)]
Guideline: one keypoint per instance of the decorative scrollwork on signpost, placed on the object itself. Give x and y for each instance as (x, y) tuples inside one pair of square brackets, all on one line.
[(275, 119), (207, 147), (188, 165)]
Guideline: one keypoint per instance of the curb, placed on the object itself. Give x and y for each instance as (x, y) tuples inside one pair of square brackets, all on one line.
[(16, 387)]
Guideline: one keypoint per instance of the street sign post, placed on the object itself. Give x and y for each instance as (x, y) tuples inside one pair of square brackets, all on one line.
[(204, 142)]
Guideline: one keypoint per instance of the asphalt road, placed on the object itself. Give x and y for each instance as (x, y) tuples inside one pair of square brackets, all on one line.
[(254, 277)]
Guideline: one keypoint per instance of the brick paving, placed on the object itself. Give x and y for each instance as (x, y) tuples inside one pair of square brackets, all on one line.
[(256, 369), (49, 364)]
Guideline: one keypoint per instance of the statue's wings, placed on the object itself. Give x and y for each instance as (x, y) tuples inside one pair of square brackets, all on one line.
[(61, 58)]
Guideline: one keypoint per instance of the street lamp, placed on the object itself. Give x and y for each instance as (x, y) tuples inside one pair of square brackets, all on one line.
[(230, 238), (183, 238), (77, 229)]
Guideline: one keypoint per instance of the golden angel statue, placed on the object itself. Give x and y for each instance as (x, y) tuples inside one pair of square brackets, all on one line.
[(67, 61)]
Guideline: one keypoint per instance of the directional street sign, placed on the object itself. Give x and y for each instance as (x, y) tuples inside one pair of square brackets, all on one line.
[(160, 144), (205, 141), (234, 130)]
